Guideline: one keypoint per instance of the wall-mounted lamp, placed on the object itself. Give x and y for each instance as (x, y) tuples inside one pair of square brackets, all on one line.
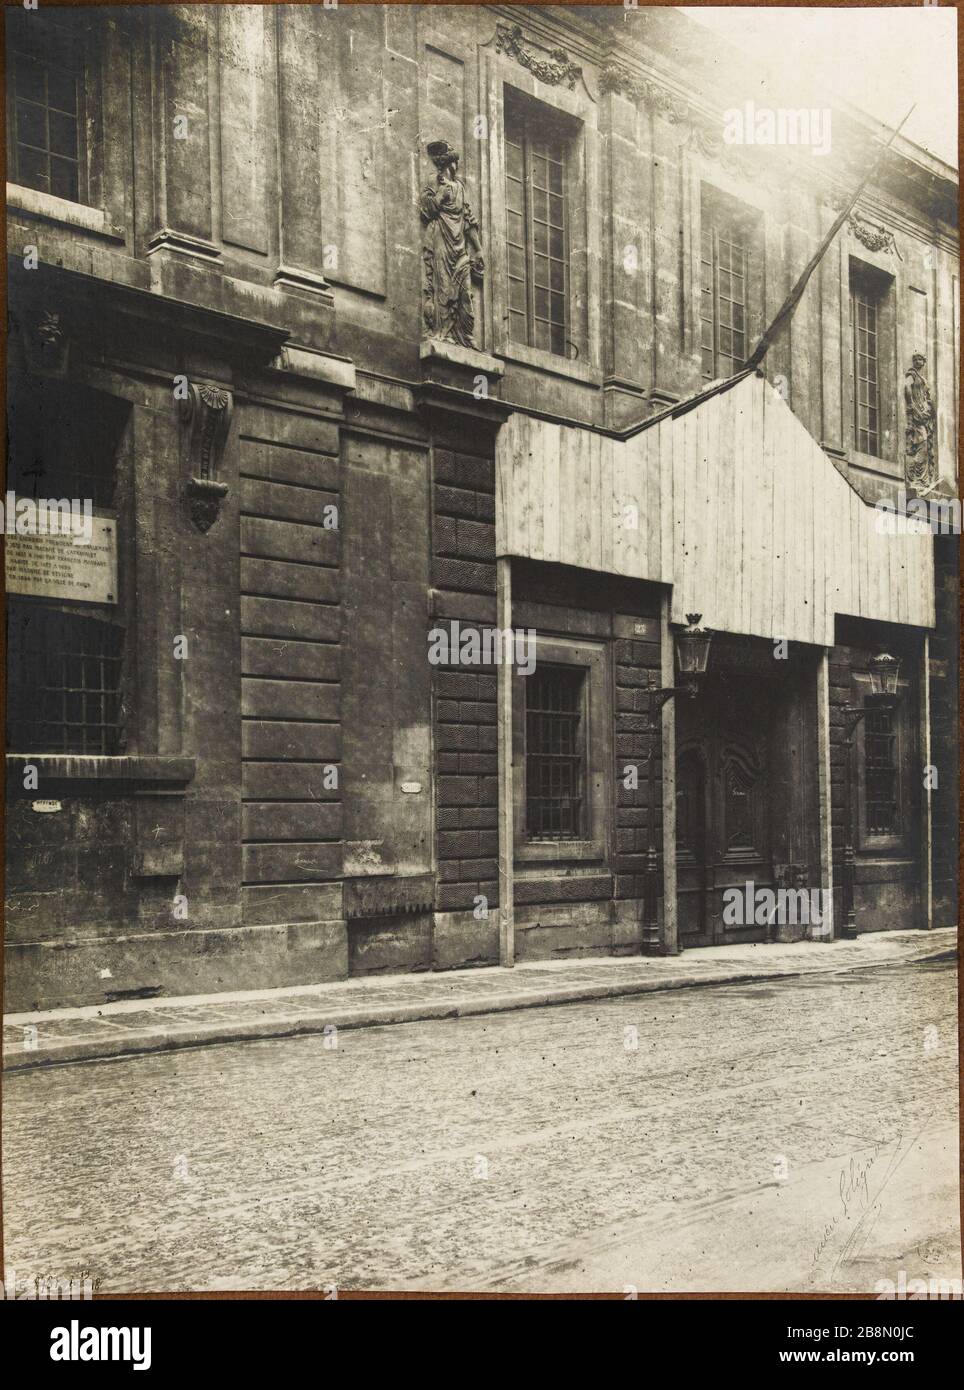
[(884, 670), (693, 651), (692, 656)]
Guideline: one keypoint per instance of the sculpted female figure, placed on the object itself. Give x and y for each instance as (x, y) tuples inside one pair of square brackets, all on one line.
[(452, 252), (919, 462)]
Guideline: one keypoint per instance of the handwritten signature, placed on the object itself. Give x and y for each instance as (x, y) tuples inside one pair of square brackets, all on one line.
[(853, 1189)]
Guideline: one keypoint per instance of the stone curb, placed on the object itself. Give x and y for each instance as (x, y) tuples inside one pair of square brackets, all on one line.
[(170, 1040)]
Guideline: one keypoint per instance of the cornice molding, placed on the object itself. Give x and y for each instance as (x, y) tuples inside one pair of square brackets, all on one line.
[(701, 129)]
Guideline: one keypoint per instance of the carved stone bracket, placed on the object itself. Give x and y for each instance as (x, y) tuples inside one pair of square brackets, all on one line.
[(206, 418), (462, 380), (46, 346), (555, 70)]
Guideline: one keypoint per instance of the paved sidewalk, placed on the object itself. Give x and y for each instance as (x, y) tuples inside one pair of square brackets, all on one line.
[(115, 1030)]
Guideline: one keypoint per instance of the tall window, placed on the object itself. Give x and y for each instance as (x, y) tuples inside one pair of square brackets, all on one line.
[(64, 658), (555, 753), (536, 227), (881, 773), (724, 289), (45, 104), (865, 325)]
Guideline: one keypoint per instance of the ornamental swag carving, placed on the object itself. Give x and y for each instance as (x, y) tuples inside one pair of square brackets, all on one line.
[(920, 445), (451, 252), (206, 418), (555, 70), (875, 238)]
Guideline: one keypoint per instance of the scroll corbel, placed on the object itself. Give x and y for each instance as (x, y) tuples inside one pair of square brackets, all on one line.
[(206, 419)]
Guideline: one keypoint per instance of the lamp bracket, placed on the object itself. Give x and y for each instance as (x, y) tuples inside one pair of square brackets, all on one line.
[(660, 696)]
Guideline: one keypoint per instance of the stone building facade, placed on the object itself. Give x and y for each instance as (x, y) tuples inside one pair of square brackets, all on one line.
[(331, 391)]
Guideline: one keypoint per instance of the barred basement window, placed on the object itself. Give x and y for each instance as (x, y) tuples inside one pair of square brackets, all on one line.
[(881, 775), (723, 294), (864, 315), (536, 228), (63, 681), (555, 753), (45, 111)]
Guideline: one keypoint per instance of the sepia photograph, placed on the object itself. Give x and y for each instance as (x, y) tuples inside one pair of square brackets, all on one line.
[(481, 540)]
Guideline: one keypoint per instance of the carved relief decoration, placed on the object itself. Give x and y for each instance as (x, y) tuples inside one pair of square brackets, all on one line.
[(451, 252), (743, 808), (646, 93), (45, 343), (555, 70), (875, 238), (695, 132), (206, 418), (920, 444)]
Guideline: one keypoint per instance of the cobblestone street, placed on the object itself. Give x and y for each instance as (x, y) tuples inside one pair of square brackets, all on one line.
[(722, 1138)]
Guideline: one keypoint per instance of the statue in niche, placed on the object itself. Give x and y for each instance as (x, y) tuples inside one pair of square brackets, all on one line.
[(452, 251), (920, 461)]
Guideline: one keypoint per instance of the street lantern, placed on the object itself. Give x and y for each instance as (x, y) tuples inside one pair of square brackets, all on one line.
[(884, 670), (692, 651)]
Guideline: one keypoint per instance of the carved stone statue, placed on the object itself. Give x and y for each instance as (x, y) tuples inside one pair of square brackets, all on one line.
[(920, 450), (452, 251)]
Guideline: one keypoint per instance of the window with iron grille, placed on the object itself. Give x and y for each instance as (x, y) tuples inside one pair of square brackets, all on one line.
[(555, 753), (63, 681), (536, 228), (724, 275), (64, 660), (881, 773), (865, 326), (45, 112)]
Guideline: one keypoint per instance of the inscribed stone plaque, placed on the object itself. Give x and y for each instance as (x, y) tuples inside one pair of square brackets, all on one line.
[(54, 567)]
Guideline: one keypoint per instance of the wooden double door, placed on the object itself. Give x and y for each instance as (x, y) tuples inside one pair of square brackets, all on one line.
[(724, 806)]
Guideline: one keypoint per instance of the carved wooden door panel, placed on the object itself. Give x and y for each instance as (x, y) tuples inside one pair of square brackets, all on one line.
[(741, 840), (722, 812)]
